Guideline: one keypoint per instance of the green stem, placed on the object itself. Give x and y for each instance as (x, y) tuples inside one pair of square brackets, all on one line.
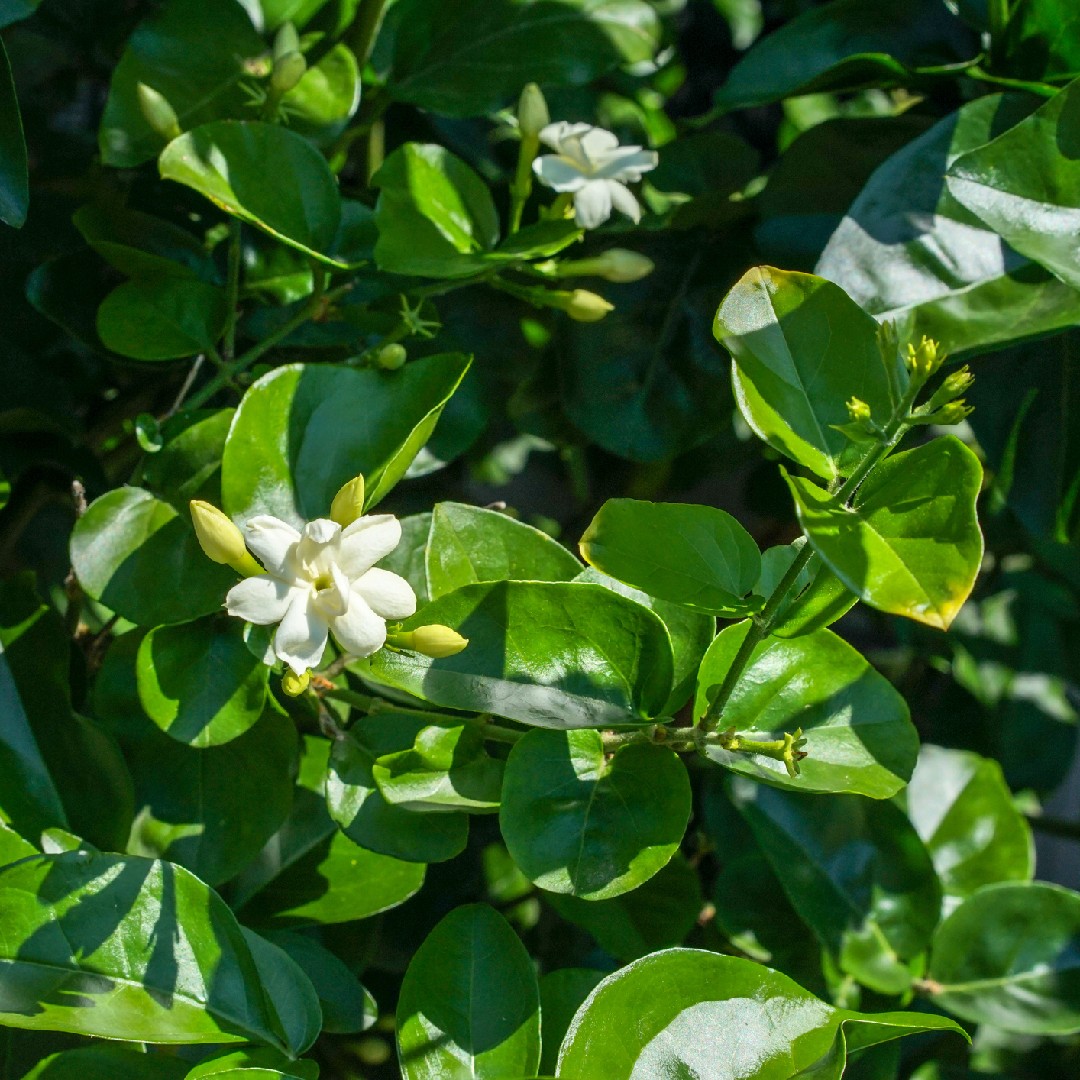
[(365, 25), (521, 187), (232, 291), (1042, 89)]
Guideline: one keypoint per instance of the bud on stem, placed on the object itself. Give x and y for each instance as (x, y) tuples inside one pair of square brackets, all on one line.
[(158, 113), (615, 264), (293, 685), (348, 504), (221, 541), (436, 641)]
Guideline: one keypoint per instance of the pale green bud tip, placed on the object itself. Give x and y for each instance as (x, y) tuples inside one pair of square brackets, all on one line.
[(858, 410), (533, 114), (288, 71), (390, 357), (958, 382), (616, 264), (925, 359), (286, 40), (951, 414), (436, 641), (348, 504), (584, 306), (293, 685), (221, 541), (157, 112)]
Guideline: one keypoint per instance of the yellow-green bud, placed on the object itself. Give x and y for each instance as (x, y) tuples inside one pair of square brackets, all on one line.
[(293, 685), (436, 641), (954, 384), (286, 41), (390, 357), (584, 306), (288, 71), (923, 361), (348, 503), (858, 410), (532, 112), (615, 264), (221, 541), (157, 112), (951, 414)]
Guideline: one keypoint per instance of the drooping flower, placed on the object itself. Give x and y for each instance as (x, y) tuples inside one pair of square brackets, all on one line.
[(589, 163), (322, 580)]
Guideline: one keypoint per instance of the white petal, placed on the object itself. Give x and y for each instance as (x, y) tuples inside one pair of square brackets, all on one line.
[(554, 134), (321, 530), (365, 542), (598, 143), (386, 594), (301, 637), (334, 599), (623, 200), (261, 600), (627, 163), (360, 632), (271, 540), (592, 204), (558, 173), (316, 551)]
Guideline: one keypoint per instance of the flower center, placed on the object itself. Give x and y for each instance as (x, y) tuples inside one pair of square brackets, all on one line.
[(323, 581)]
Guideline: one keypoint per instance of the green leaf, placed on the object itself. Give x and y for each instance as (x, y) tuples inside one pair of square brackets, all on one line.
[(409, 558), (14, 180), (468, 57), (129, 544), (239, 166), (468, 544), (1007, 957), (801, 348), (911, 545), (669, 1014), (696, 556), (656, 915), (199, 682), (561, 995), (288, 991), (909, 252), (960, 806), (194, 57), (304, 430), (817, 599), (362, 811), (844, 45), (104, 1062), (262, 1064), (127, 948), (1042, 38), (469, 1003), (12, 846), (581, 822), (436, 217), (550, 654), (326, 97), (1025, 185), (856, 872), (188, 465), (859, 738)]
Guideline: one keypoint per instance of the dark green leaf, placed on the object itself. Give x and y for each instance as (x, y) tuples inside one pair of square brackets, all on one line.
[(912, 545), (561, 995), (550, 654), (1043, 39), (260, 1064), (14, 182), (409, 558), (288, 990), (104, 1062), (322, 102), (304, 430), (188, 465), (469, 1003), (817, 599), (580, 822)]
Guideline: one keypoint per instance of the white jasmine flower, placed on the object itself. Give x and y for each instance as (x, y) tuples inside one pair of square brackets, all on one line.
[(319, 581), (589, 162)]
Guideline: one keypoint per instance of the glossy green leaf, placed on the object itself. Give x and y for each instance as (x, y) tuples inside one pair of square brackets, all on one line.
[(468, 544), (550, 654), (912, 544), (816, 600), (469, 1003), (288, 990), (1043, 39), (671, 1013), (188, 465), (304, 430), (960, 806), (409, 558), (468, 57), (580, 822), (859, 738), (1007, 957), (323, 101), (696, 556), (561, 994), (127, 948), (261, 1064), (856, 872), (129, 543), (239, 166), (845, 45), (105, 1062), (909, 252), (436, 217), (1025, 185), (12, 846), (801, 348), (362, 811), (191, 55), (14, 181)]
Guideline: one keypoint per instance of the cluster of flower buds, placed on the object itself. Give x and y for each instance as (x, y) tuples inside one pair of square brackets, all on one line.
[(946, 405)]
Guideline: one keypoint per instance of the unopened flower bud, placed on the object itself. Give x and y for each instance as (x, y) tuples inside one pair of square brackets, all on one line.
[(436, 641), (532, 112), (951, 414), (615, 264), (584, 306), (221, 541), (157, 112), (287, 72), (286, 41), (348, 504), (293, 685), (924, 360), (858, 410), (954, 384), (390, 357)]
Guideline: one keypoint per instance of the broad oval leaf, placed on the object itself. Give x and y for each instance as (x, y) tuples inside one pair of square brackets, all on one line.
[(263, 174), (256, 1064), (550, 654), (801, 347), (469, 1004), (859, 738), (912, 544), (128, 543), (697, 556), (1008, 957), (288, 990), (127, 948), (105, 1062), (576, 821), (304, 430), (468, 544)]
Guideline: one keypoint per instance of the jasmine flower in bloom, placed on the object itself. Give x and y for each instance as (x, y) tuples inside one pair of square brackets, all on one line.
[(589, 162), (322, 580)]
